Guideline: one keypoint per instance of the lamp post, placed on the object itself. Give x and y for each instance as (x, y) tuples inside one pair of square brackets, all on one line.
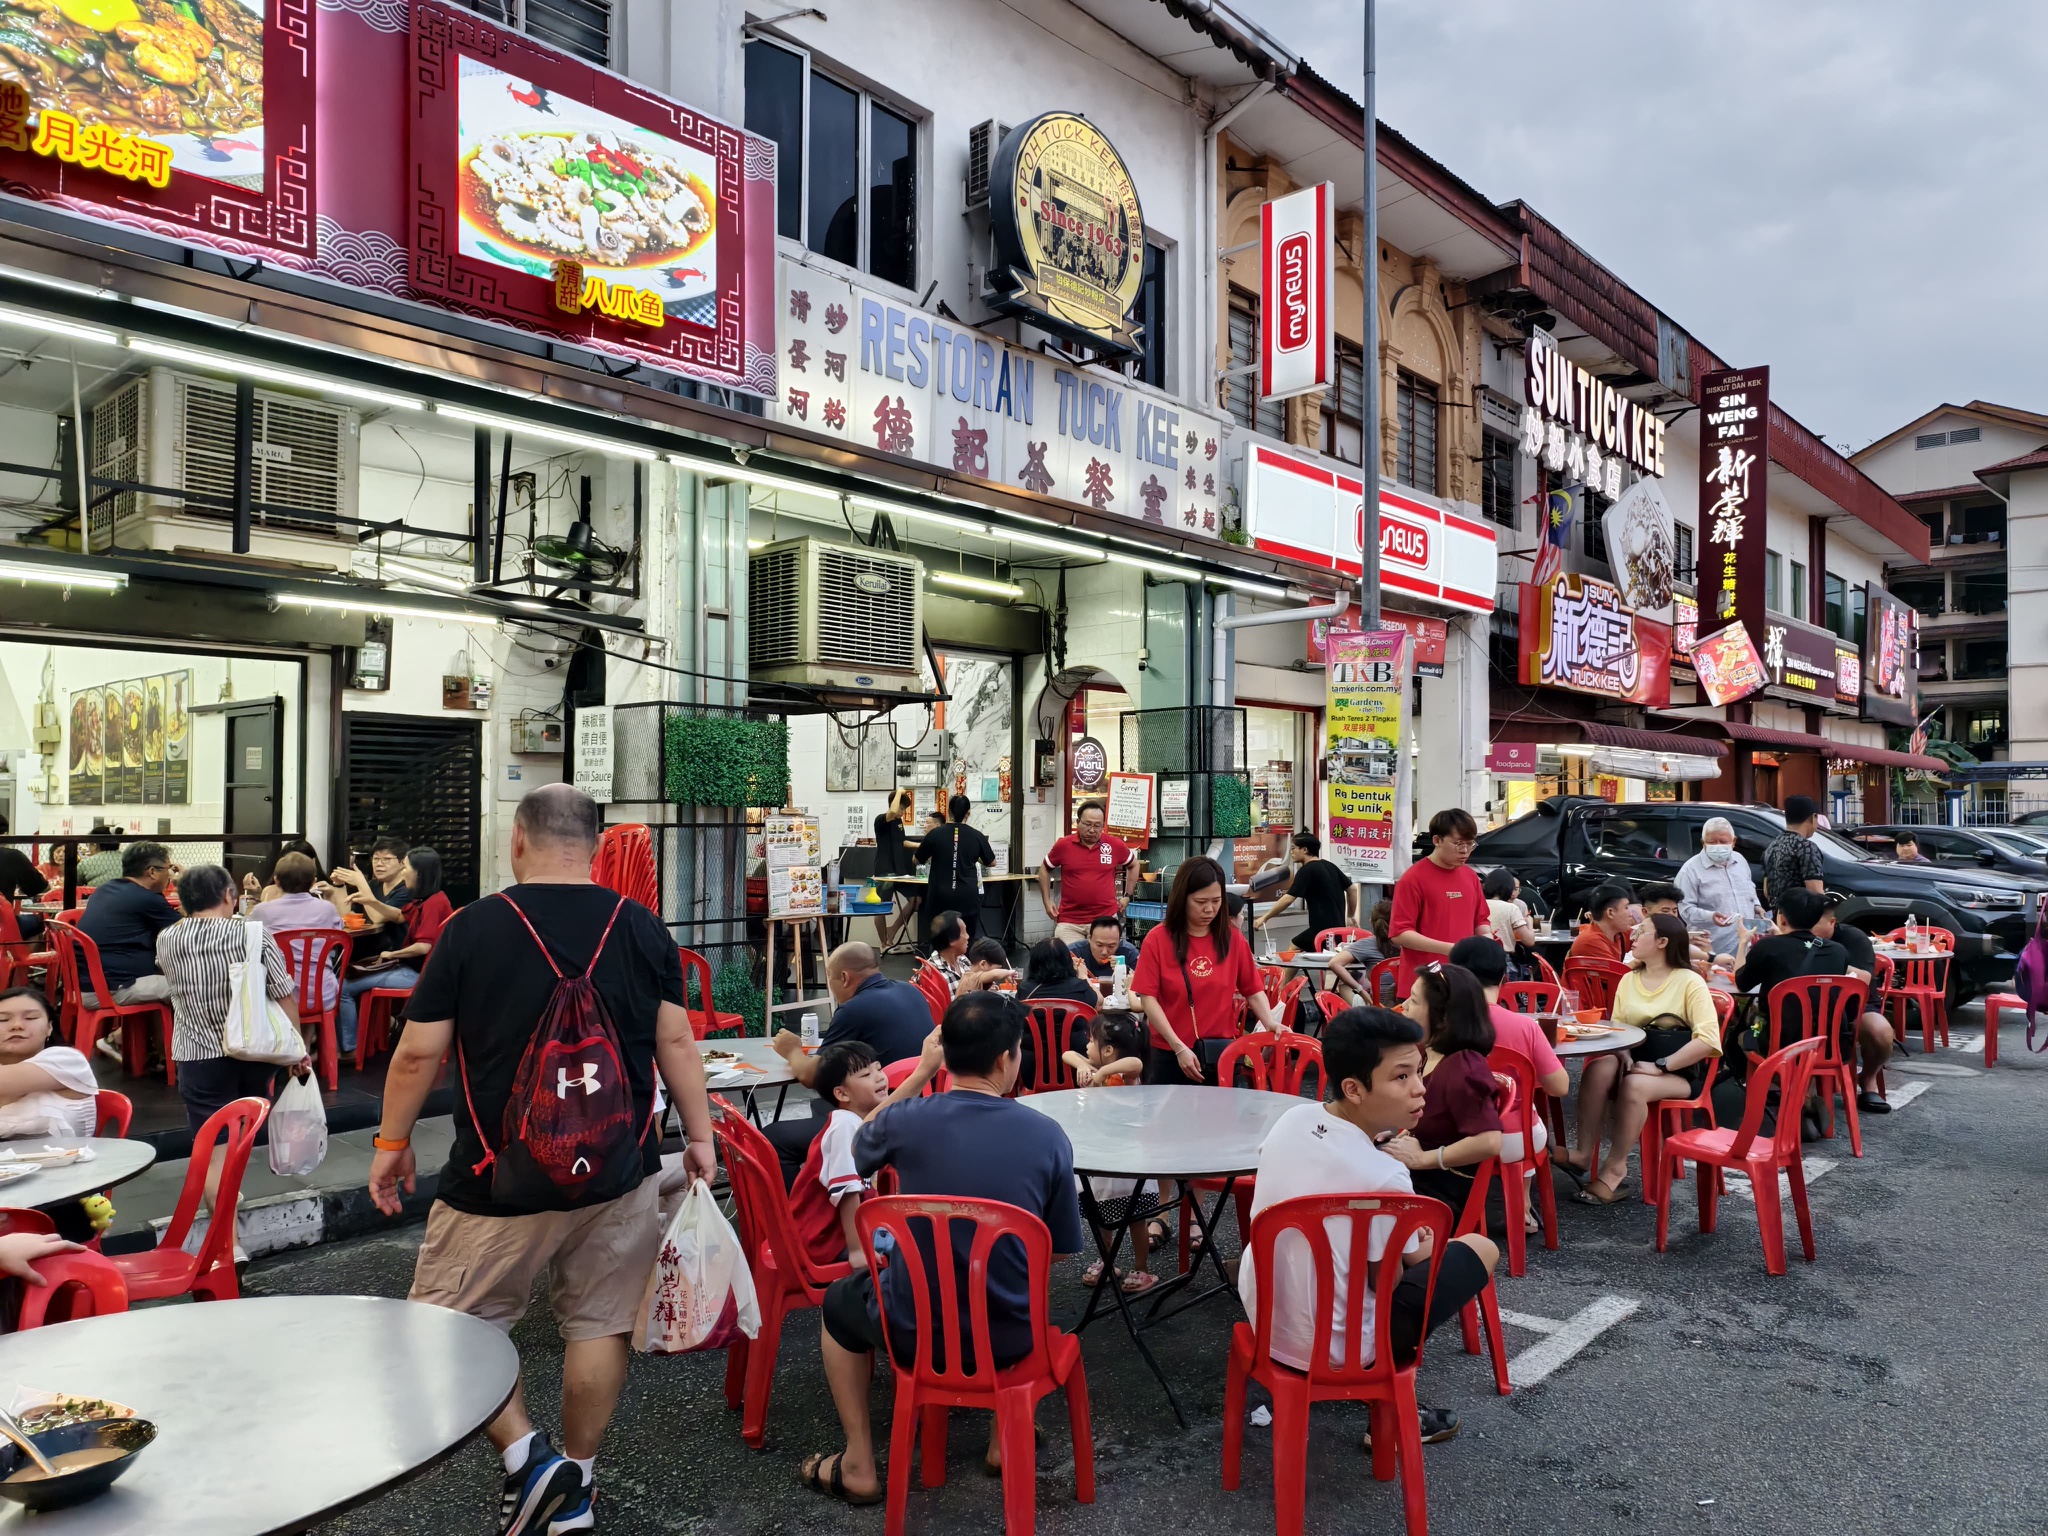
[(1369, 263)]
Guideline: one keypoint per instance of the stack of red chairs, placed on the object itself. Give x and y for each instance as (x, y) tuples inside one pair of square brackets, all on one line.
[(624, 862), (937, 989)]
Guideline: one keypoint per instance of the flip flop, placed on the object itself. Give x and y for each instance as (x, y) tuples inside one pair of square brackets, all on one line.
[(1092, 1275), (1138, 1282), (809, 1475), (1590, 1194), (1580, 1177)]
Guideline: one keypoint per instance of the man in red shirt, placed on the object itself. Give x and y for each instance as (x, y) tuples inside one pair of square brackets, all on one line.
[(1088, 862), (1438, 901), (1608, 925)]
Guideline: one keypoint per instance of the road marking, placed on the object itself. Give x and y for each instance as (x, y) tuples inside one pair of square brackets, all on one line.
[(1738, 1183), (1906, 1095), (1566, 1339), (1932, 1068), (1533, 1324)]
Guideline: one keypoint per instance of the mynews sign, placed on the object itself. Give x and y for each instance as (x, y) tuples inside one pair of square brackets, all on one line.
[(1297, 333)]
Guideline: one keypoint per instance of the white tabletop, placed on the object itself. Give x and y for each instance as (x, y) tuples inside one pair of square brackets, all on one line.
[(273, 1413), (1626, 1037), (1304, 960), (114, 1161), (756, 1053), (1173, 1129)]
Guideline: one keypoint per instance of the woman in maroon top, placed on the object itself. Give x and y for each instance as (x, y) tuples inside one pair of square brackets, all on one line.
[(1460, 1125), (1192, 969)]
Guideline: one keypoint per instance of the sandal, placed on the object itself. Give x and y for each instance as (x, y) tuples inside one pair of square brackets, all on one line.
[(1579, 1176), (1092, 1275), (1591, 1193), (810, 1474), (1138, 1282), (1155, 1230)]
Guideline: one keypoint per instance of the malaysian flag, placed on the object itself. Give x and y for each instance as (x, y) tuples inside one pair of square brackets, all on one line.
[(1557, 534)]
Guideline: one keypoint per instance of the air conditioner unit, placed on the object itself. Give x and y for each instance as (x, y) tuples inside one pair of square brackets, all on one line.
[(176, 432), (824, 615), (983, 140)]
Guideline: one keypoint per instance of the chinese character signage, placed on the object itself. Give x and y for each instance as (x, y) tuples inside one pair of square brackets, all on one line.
[(1365, 688), (192, 122), (870, 369), (1685, 626), (1642, 548), (1583, 429), (1891, 658), (1727, 665), (1801, 660), (1848, 677), (1734, 466), (1297, 328), (1069, 234), (1576, 634)]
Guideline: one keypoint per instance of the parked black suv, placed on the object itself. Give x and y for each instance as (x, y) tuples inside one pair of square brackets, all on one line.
[(1953, 848), (1566, 846)]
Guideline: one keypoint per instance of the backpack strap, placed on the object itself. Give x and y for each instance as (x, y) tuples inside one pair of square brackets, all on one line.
[(506, 897)]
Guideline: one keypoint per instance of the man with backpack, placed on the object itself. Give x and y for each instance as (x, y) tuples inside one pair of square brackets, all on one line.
[(558, 1001)]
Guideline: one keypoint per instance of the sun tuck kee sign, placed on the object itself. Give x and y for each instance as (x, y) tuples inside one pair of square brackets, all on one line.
[(1297, 338), (1070, 236)]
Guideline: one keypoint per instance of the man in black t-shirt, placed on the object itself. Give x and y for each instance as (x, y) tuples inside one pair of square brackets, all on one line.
[(1875, 1039), (1327, 892), (20, 880), (482, 994)]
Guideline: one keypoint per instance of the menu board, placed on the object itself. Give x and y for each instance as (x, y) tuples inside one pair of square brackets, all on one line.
[(790, 844), (796, 892), (129, 743)]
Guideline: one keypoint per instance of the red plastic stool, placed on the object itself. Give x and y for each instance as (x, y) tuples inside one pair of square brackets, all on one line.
[(373, 1020), (1992, 1004)]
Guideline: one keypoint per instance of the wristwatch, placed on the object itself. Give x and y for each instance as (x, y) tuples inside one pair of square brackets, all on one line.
[(1663, 1063)]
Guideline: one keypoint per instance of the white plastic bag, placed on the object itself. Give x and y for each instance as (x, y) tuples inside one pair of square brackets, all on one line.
[(703, 1292), (256, 1028), (298, 1129)]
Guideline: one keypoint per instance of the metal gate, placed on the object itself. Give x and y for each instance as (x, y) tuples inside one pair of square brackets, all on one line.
[(419, 778)]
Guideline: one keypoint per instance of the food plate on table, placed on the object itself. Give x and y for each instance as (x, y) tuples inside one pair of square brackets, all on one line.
[(1587, 1031)]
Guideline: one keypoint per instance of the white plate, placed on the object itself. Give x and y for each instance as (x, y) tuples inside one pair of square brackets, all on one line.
[(12, 1170)]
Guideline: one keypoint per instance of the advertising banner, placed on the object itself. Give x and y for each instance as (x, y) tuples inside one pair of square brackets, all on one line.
[(1577, 634), (1801, 660), (867, 367), (1297, 329), (1728, 666), (1427, 638), (1734, 472), (1365, 690), (1891, 658), (1642, 549)]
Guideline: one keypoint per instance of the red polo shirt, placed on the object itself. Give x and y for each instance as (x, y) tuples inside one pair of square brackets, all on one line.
[(1438, 903), (1087, 876)]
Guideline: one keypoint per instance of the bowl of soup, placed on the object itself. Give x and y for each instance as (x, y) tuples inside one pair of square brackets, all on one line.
[(87, 1457)]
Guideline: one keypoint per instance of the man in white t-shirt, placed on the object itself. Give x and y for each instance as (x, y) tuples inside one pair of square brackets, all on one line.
[(1372, 1060)]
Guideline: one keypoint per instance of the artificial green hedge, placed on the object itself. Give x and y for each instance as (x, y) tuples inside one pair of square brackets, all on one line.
[(1230, 806), (722, 760), (733, 991)]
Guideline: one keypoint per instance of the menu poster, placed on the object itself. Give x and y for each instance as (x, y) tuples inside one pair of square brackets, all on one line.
[(1130, 807), (152, 741), (113, 737), (1365, 682), (1173, 804), (1728, 665), (796, 892), (177, 738), (791, 839), (85, 742)]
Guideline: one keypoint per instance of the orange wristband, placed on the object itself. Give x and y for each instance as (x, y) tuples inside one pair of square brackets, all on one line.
[(390, 1146)]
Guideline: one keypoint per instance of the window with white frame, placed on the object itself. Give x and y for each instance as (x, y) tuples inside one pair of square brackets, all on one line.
[(846, 163), (581, 27)]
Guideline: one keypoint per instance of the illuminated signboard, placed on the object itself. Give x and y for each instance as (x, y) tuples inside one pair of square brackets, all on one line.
[(1577, 635)]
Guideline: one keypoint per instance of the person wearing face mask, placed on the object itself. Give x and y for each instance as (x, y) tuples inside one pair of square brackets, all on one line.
[(1715, 889)]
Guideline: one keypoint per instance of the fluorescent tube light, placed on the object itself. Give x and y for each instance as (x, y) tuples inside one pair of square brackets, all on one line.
[(288, 377), (55, 327), (976, 584), (374, 605), (403, 570), (62, 576), (547, 434)]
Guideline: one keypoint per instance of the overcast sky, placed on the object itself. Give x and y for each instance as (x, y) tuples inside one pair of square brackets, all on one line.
[(1849, 192)]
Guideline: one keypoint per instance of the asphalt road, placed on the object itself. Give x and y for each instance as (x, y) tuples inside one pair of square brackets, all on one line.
[(1896, 1385)]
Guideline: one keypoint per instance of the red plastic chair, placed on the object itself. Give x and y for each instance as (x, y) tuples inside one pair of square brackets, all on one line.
[(925, 1390), (624, 862), (786, 1278), (1546, 972), (74, 1285), (14, 949), (1333, 938), (1513, 1064), (1287, 1006), (1992, 1005), (209, 1275), (1530, 997), (1388, 1387), (1655, 1132), (1594, 981), (1389, 969), (1943, 941), (1828, 1006), (1483, 1313), (14, 1220), (113, 1113), (1744, 1150), (1919, 982), (898, 1073), (1051, 1021), (313, 956), (374, 1011), (705, 1019), (78, 961), (937, 989), (1274, 1064)]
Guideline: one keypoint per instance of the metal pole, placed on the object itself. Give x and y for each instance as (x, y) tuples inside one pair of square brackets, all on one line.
[(1369, 264), (245, 462), (480, 508)]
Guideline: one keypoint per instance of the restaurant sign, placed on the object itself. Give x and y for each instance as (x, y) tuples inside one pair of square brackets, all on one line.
[(1069, 234), (1577, 635), (1891, 658), (1734, 470), (1581, 427), (868, 368), (1805, 661)]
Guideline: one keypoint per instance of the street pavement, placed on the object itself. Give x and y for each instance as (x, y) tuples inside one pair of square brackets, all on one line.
[(1893, 1386)]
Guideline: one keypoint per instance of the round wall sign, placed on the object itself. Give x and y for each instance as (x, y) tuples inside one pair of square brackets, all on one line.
[(1090, 762), (1068, 226)]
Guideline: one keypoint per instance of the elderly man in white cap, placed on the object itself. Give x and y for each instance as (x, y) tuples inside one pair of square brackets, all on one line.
[(1716, 890)]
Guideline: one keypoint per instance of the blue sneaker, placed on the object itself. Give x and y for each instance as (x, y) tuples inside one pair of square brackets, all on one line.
[(538, 1490), (575, 1516)]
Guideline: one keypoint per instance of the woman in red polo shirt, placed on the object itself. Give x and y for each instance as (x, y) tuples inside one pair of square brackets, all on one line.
[(1192, 969)]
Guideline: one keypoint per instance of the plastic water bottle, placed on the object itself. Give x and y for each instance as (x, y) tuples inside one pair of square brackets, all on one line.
[(809, 1029), (1912, 933), (1120, 972)]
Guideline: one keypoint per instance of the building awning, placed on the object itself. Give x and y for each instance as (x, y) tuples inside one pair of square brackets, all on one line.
[(1801, 741), (1667, 743)]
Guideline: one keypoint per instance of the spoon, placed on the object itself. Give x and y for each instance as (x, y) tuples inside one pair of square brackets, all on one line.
[(10, 1426)]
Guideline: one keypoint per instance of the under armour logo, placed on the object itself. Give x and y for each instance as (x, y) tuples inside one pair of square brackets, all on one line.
[(587, 1082)]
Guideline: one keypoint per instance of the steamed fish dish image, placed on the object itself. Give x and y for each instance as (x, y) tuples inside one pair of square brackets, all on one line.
[(591, 196)]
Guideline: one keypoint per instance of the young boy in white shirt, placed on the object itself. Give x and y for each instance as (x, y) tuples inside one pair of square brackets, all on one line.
[(829, 1188), (1372, 1060)]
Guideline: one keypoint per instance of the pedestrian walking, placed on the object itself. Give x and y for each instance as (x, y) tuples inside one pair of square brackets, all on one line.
[(508, 977)]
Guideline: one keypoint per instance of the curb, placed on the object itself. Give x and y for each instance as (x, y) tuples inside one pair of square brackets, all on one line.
[(295, 1219)]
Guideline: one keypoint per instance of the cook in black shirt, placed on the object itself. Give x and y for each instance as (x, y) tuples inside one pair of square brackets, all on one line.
[(1319, 885)]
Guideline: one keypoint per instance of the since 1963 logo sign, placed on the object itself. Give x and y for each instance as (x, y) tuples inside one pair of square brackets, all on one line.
[(1070, 236)]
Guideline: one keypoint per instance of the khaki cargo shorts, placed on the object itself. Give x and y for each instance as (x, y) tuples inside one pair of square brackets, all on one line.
[(599, 1258)]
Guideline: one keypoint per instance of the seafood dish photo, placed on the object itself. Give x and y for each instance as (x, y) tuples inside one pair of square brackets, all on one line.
[(544, 179), (187, 73)]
